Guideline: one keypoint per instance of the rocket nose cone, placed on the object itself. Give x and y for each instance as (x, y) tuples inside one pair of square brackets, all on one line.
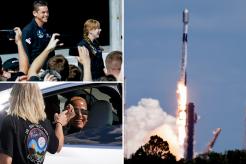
[(186, 16), (186, 11)]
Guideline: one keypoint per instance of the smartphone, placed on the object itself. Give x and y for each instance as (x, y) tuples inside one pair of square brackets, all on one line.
[(7, 34)]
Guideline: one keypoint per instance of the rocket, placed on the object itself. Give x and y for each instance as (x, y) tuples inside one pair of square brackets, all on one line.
[(183, 74), (182, 112)]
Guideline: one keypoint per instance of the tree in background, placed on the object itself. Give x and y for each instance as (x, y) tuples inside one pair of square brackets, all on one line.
[(156, 150)]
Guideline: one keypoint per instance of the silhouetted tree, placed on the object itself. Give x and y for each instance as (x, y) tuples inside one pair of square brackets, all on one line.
[(157, 147), (155, 151), (236, 156), (200, 160), (229, 157), (217, 158)]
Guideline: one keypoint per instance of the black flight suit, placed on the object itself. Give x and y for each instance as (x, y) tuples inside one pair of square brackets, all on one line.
[(97, 64), (35, 39)]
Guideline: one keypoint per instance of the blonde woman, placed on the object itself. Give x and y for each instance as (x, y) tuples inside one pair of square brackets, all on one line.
[(26, 133), (91, 33)]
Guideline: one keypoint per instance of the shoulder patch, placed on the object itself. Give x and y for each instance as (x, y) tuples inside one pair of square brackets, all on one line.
[(28, 40)]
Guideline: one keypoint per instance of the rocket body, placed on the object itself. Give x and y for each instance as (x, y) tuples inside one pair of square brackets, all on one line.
[(183, 75), (182, 89), (186, 116)]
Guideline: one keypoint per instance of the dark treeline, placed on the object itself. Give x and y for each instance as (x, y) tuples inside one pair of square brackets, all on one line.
[(157, 151)]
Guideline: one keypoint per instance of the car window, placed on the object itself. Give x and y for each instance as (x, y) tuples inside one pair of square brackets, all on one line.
[(98, 94), (110, 134)]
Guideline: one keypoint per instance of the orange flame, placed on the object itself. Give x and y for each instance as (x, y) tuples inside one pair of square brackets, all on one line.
[(181, 115)]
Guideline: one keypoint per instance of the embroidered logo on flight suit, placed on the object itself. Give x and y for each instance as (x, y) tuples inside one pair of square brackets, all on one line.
[(40, 34)]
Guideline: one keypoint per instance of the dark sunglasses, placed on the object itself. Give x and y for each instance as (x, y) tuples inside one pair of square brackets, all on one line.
[(81, 111)]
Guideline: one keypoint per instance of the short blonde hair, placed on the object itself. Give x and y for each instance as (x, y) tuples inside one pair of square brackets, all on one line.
[(26, 101), (90, 24)]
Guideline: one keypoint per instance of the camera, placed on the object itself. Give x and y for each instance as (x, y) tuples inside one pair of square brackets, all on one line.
[(51, 72), (7, 34)]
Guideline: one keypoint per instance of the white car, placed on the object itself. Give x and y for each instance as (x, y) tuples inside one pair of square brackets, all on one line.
[(101, 142)]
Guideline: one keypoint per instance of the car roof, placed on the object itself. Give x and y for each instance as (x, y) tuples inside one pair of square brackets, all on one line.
[(48, 87)]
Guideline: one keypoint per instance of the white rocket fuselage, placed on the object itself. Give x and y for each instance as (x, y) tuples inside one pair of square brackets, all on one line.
[(184, 46), (182, 89)]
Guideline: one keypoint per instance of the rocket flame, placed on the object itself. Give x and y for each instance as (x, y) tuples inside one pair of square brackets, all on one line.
[(181, 115)]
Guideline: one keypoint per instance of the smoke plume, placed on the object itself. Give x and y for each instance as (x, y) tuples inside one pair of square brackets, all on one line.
[(147, 119)]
